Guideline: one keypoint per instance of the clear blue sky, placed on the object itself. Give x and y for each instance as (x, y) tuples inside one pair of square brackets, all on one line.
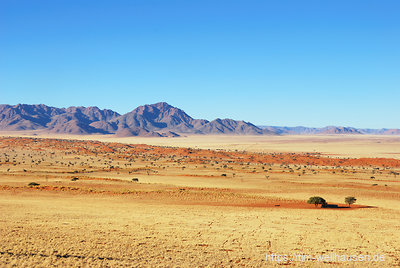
[(282, 62)]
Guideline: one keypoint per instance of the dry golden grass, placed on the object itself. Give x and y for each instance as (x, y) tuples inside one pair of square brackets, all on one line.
[(191, 207)]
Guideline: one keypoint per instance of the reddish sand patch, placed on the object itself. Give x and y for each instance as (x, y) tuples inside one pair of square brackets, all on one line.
[(188, 155)]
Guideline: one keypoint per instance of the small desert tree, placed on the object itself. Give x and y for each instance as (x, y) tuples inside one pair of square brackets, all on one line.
[(316, 200), (350, 200)]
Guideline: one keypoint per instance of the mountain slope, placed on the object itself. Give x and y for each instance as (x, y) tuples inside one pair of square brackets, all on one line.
[(26, 117), (81, 120), (72, 120), (164, 117), (229, 126), (159, 116)]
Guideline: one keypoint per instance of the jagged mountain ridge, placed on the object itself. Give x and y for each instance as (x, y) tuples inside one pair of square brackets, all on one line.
[(72, 120), (155, 120)]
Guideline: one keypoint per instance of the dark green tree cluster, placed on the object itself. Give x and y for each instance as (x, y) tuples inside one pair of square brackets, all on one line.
[(349, 200), (316, 200)]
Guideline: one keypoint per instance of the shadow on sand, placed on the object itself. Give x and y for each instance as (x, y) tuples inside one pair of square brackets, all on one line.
[(338, 206)]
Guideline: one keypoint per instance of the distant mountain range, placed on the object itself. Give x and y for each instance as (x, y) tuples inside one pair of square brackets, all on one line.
[(328, 130), (155, 120)]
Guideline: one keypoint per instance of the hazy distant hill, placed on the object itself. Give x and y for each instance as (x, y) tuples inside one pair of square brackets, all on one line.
[(328, 130), (383, 131)]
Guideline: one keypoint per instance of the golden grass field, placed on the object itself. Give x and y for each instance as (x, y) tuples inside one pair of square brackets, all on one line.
[(219, 201)]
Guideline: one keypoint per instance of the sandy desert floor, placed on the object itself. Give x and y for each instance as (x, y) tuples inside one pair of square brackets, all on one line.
[(189, 202)]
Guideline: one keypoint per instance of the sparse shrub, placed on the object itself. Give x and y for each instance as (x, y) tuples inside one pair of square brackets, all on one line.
[(223, 175), (135, 180), (394, 173), (350, 200), (31, 184), (316, 200), (74, 179)]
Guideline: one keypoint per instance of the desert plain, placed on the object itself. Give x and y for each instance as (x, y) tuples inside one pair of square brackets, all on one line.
[(198, 201)]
